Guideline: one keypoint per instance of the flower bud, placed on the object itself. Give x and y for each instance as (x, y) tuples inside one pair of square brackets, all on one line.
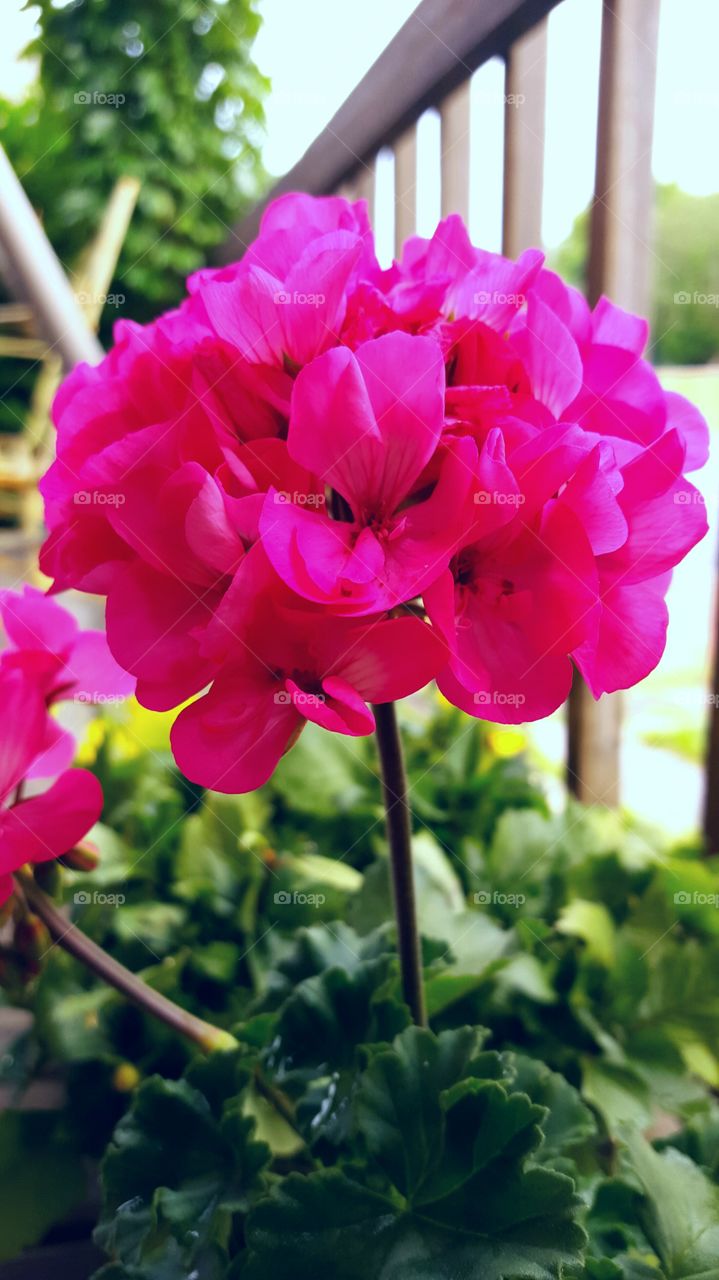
[(84, 857), (32, 940), (125, 1077)]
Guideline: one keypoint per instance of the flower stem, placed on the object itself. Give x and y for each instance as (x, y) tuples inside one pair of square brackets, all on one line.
[(78, 944), (394, 786)]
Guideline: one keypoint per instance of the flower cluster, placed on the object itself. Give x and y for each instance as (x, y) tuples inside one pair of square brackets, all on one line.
[(46, 659), (318, 484)]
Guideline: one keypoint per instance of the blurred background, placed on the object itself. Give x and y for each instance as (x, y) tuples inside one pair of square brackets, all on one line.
[(207, 102)]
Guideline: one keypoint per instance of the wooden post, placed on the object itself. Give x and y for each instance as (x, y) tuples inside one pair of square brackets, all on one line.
[(405, 188), (619, 265), (364, 186), (525, 93), (454, 117)]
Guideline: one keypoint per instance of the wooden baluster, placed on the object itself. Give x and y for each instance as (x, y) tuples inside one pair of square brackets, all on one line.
[(405, 188), (525, 92), (618, 266), (454, 115), (364, 186)]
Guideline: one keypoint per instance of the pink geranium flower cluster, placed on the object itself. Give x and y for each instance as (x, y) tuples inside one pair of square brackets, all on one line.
[(46, 659), (318, 484)]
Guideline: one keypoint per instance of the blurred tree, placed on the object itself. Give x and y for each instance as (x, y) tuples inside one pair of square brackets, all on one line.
[(164, 90), (685, 295)]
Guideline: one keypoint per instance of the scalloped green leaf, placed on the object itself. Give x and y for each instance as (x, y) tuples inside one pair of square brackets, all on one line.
[(450, 1189)]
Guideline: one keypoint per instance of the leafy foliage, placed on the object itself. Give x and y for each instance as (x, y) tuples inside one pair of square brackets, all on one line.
[(168, 95), (570, 964)]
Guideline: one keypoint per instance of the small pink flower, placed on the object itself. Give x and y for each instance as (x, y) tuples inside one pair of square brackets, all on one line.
[(63, 661), (44, 826)]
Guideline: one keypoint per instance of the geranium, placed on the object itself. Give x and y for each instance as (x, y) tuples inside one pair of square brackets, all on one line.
[(46, 658), (265, 480), (45, 826), (62, 661)]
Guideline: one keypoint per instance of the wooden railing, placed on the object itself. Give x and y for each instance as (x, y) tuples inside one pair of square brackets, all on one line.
[(429, 63)]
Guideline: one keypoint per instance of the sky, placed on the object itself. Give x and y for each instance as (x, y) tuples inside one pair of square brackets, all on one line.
[(314, 58)]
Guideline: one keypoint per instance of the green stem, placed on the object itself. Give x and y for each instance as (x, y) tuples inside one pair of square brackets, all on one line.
[(394, 786), (78, 944)]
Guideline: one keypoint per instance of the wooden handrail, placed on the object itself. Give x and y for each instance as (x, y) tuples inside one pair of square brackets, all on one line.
[(44, 283), (436, 50)]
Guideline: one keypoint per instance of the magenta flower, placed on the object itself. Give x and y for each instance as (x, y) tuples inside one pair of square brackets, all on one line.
[(43, 826), (368, 425), (286, 300), (285, 665), (265, 480), (64, 662)]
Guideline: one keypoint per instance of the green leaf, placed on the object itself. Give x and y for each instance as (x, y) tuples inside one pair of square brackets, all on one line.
[(617, 1091), (334, 767), (42, 1178), (681, 1211), (567, 1122), (398, 1105), (329, 1015), (459, 1196), (591, 922), (180, 1162)]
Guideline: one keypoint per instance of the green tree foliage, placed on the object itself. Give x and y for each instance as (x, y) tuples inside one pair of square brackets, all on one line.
[(164, 91), (685, 292)]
